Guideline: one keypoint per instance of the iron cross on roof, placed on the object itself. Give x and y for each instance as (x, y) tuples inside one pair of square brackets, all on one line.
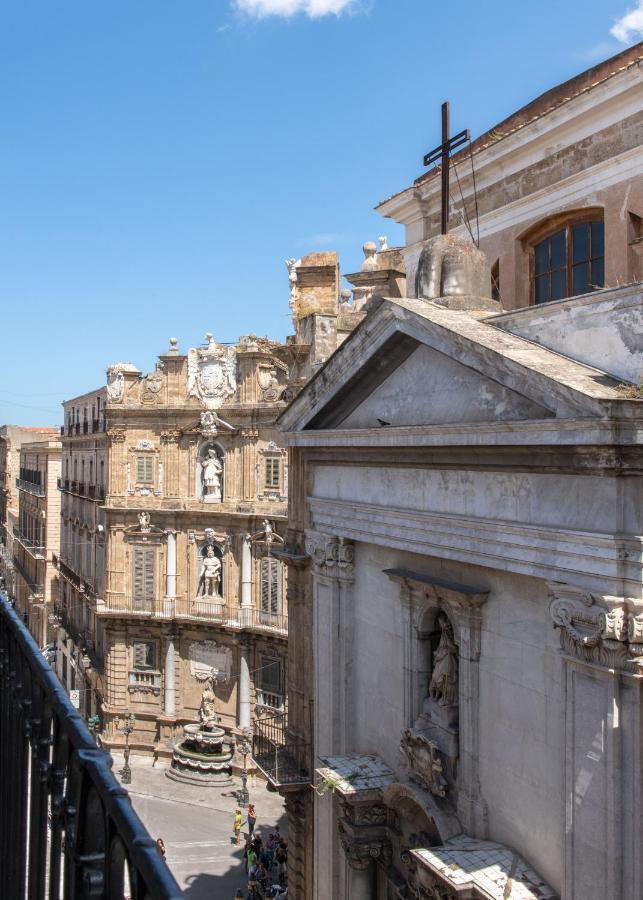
[(443, 153)]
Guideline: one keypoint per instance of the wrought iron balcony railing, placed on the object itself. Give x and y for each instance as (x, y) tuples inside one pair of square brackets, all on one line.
[(285, 762), (67, 829), (31, 486)]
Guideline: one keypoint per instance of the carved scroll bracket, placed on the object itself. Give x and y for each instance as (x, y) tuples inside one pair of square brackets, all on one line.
[(332, 556), (599, 629)]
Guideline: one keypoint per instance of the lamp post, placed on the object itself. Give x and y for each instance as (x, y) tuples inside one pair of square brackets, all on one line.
[(245, 747), (127, 729)]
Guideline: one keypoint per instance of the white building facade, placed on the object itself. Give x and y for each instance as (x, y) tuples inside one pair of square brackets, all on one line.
[(477, 608)]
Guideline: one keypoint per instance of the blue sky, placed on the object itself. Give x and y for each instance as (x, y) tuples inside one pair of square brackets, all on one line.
[(160, 159)]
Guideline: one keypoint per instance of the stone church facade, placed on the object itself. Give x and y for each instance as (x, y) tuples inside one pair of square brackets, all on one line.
[(464, 542)]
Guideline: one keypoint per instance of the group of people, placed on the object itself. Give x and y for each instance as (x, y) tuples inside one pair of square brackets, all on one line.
[(266, 863)]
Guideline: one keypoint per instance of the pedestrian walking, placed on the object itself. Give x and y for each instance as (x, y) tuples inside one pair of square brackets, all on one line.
[(236, 826), (252, 819), (160, 844), (254, 892)]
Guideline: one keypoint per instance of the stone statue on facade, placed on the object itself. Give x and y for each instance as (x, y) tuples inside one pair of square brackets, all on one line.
[(212, 471), (144, 521), (211, 573), (443, 686)]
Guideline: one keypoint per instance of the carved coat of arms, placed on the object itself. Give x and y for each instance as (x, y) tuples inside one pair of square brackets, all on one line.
[(212, 373)]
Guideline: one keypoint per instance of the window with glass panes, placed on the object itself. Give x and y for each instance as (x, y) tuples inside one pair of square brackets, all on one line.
[(145, 469), (273, 466), (569, 262), (270, 585)]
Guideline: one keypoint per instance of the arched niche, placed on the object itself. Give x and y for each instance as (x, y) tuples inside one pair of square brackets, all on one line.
[(210, 472), (202, 585)]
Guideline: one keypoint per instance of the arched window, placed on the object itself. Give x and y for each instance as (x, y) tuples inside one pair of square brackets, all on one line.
[(567, 256)]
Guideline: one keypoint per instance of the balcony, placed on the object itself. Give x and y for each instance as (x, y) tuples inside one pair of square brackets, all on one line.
[(69, 575), (85, 645), (81, 489), (270, 700), (78, 835), (31, 547), (146, 682), (284, 761), (31, 486), (208, 609)]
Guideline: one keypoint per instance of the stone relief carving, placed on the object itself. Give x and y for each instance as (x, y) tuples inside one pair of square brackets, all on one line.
[(209, 659), (151, 385), (365, 814), (598, 629), (332, 555), (209, 424), (212, 373), (115, 384), (361, 853), (268, 382), (424, 761), (145, 445), (144, 521)]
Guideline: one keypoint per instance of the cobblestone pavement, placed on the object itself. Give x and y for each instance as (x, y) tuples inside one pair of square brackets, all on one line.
[(196, 826)]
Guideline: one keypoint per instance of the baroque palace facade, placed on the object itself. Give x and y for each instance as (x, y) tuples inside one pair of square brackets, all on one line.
[(174, 490)]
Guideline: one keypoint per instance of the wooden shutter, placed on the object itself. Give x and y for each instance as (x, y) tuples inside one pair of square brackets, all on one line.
[(145, 469), (270, 585), (143, 655), (143, 593), (272, 472)]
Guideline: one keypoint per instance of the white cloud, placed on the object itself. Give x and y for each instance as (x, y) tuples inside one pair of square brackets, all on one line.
[(630, 26), (314, 9)]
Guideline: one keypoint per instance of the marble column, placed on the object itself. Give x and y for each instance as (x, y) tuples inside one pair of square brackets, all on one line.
[(244, 687), (170, 677), (170, 578), (246, 579)]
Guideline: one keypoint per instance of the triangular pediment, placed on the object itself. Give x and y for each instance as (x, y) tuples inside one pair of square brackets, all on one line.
[(411, 363), (431, 388)]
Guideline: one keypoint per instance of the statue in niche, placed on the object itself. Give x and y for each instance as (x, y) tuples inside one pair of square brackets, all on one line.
[(212, 471), (443, 686), (207, 711), (211, 578)]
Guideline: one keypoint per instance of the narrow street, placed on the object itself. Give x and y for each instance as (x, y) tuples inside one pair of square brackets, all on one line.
[(196, 825)]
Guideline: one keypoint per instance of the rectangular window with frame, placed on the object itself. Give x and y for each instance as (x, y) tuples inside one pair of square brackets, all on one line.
[(273, 472), (145, 469), (144, 655), (144, 578)]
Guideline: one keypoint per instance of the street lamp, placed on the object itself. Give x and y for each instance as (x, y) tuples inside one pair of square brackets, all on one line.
[(245, 747), (127, 729)]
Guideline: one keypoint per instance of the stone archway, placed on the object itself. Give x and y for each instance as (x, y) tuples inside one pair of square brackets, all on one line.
[(422, 812), (418, 820)]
